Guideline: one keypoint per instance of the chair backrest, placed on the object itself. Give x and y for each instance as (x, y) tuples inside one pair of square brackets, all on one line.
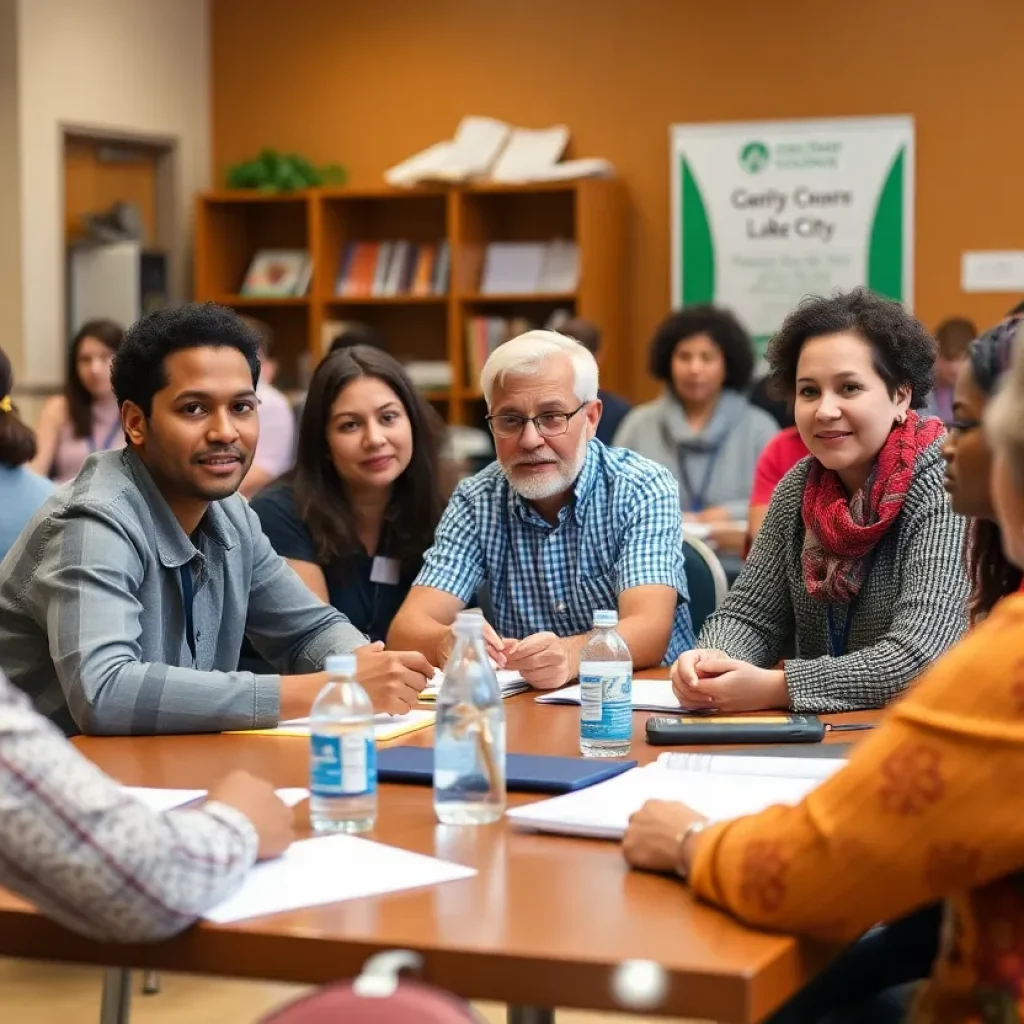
[(705, 579)]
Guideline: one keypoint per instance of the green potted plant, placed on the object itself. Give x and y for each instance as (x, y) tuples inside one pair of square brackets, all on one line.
[(272, 171)]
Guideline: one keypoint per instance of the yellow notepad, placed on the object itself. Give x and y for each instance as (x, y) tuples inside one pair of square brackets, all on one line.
[(385, 727)]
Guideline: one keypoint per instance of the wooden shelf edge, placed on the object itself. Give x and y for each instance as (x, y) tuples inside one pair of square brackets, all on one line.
[(479, 298), (254, 195), (384, 300), (260, 300)]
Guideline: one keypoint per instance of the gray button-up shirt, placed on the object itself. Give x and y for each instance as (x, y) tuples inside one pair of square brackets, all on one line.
[(92, 617)]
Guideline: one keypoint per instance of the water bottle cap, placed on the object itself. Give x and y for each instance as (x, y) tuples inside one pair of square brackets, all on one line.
[(341, 665), (469, 623), (605, 619)]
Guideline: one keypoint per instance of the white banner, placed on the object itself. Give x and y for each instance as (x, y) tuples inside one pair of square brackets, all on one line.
[(766, 212)]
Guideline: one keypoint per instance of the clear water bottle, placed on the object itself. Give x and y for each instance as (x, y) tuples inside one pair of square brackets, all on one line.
[(342, 753), (606, 691), (469, 744)]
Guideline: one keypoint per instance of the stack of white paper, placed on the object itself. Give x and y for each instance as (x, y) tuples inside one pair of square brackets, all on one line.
[(648, 695), (329, 870), (603, 811), (510, 683)]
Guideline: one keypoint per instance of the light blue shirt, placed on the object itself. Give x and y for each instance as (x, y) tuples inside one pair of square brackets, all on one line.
[(622, 529), (21, 494)]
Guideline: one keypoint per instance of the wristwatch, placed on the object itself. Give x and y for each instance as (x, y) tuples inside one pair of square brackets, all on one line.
[(693, 829)]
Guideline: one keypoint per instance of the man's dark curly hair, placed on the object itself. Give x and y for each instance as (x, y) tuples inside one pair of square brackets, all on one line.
[(720, 326), (904, 351), (138, 370)]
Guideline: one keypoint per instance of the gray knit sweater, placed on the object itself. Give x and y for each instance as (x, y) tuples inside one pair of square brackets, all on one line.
[(912, 606)]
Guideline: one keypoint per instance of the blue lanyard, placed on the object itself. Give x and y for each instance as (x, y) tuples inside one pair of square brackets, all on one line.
[(838, 638), (697, 500), (187, 594), (115, 427)]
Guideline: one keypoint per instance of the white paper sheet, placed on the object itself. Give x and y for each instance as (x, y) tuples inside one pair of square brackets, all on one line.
[(164, 799), (329, 870), (648, 695), (168, 799)]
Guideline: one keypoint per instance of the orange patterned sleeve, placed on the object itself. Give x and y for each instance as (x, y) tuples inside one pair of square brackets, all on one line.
[(928, 805)]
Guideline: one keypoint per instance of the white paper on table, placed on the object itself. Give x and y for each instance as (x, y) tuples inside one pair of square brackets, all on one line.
[(169, 799), (328, 870), (164, 799), (648, 695)]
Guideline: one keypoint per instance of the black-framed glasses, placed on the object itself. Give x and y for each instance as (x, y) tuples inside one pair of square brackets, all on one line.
[(958, 427), (547, 424)]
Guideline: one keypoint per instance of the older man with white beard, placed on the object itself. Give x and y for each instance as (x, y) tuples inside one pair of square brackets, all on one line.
[(558, 527)]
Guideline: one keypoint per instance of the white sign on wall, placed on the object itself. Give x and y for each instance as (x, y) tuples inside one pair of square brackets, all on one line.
[(766, 212)]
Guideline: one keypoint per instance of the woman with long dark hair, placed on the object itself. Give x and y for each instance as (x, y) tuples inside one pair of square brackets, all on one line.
[(356, 514), (969, 466), (85, 419)]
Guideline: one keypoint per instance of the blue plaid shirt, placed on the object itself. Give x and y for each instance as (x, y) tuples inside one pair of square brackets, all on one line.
[(621, 530)]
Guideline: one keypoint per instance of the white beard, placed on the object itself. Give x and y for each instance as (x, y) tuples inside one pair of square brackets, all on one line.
[(539, 488)]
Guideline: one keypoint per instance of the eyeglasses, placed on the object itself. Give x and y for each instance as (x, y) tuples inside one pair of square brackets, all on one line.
[(547, 424), (958, 427)]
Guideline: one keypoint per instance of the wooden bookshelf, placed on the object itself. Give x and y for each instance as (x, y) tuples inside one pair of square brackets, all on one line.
[(232, 226)]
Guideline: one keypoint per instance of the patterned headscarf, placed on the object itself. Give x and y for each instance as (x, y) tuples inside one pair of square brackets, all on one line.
[(990, 354)]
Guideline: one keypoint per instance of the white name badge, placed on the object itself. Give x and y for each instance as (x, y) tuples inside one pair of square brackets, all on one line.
[(385, 570)]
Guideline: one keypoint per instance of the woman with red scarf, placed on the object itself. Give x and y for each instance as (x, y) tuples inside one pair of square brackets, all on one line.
[(855, 582)]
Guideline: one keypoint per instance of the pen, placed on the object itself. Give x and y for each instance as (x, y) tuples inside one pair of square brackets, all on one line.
[(850, 727)]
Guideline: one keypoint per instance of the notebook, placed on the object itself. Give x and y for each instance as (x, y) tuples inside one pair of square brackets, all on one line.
[(716, 786), (525, 773), (510, 683), (385, 727), (648, 695)]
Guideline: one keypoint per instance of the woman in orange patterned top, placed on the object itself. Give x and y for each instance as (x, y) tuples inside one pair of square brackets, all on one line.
[(928, 807)]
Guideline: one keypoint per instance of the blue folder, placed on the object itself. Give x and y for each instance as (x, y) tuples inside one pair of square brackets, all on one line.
[(525, 773)]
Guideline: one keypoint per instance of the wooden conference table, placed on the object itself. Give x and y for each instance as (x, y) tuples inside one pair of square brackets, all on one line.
[(544, 923)]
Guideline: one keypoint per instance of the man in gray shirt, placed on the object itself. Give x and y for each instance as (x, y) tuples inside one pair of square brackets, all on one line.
[(124, 602)]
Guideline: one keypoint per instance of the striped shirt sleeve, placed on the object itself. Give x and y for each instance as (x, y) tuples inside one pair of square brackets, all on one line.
[(78, 846)]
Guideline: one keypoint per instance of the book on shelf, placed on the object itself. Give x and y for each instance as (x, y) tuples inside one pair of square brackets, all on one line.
[(430, 374), (392, 268), (530, 268), (485, 333), (278, 273)]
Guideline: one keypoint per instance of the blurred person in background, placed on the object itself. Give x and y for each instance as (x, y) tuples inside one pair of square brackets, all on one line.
[(85, 419), (21, 491), (275, 451), (614, 408), (703, 429), (952, 337)]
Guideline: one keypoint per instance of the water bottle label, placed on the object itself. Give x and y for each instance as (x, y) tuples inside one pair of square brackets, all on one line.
[(342, 765), (606, 700)]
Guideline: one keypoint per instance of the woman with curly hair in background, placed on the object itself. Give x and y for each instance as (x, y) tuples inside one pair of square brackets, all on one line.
[(856, 576), (703, 428)]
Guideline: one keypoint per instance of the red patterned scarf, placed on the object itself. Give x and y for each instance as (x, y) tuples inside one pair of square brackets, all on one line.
[(840, 533)]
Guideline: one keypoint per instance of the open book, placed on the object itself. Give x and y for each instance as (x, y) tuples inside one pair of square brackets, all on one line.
[(715, 785), (648, 695)]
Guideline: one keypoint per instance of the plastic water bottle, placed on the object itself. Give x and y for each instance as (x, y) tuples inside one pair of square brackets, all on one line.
[(606, 691), (469, 745), (342, 753)]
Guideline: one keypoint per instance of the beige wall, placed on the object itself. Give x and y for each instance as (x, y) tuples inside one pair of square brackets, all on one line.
[(10, 222), (136, 67)]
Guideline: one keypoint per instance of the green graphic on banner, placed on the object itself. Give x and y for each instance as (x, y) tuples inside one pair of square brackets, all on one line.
[(698, 283), (885, 253)]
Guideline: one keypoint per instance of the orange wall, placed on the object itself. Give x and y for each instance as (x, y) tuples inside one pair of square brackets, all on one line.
[(368, 83)]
